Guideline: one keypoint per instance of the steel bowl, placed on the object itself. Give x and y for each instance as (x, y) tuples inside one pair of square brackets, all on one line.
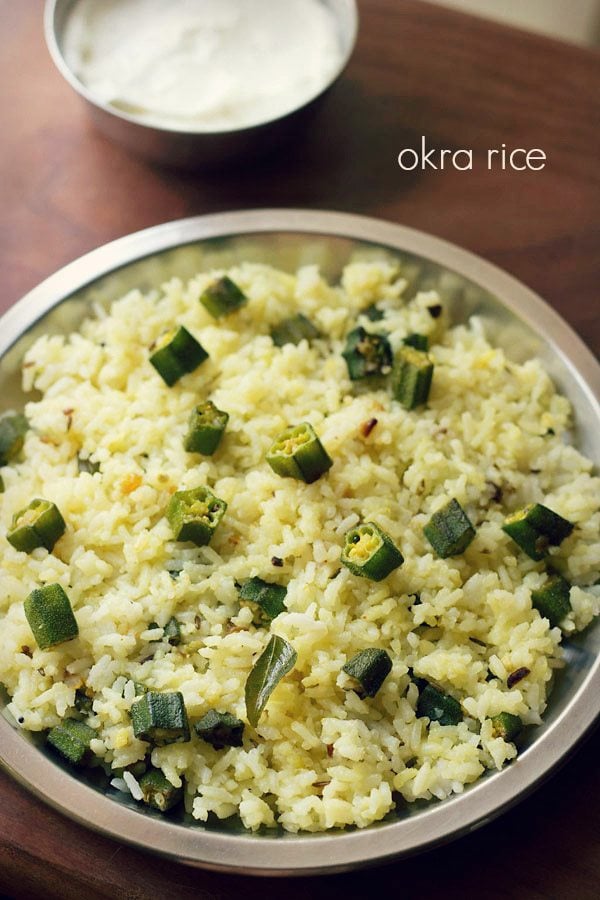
[(191, 149), (515, 318)]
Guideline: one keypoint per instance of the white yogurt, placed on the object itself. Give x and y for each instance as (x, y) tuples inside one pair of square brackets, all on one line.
[(203, 65)]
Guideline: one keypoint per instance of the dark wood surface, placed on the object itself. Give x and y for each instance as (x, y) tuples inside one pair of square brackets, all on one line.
[(417, 70)]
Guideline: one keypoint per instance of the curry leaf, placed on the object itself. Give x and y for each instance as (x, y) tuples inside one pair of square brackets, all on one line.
[(275, 661)]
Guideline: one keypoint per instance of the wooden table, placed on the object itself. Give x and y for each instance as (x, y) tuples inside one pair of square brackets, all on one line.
[(417, 70)]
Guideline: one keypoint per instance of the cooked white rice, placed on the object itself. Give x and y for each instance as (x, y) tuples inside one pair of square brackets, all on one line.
[(320, 757)]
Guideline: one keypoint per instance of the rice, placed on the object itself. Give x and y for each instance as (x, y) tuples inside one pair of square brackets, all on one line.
[(493, 435)]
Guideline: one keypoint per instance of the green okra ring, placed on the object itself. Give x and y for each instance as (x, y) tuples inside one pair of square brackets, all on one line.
[(536, 528), (72, 740), (268, 598), (205, 429), (38, 525), (223, 297), (552, 599), (370, 553), (158, 792), (412, 375), (194, 515), (449, 530), (438, 707), (220, 729), (367, 354), (177, 353), (13, 428), (506, 725), (298, 453), (368, 670), (293, 330), (160, 718), (50, 616)]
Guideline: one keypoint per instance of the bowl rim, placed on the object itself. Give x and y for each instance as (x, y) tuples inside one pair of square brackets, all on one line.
[(53, 45), (323, 853)]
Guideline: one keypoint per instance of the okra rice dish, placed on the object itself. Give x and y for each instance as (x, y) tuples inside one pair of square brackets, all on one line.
[(297, 552)]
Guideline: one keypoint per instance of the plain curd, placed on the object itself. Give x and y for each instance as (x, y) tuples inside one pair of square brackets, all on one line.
[(203, 65)]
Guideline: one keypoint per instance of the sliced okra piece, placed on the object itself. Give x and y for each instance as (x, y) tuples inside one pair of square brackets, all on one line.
[(72, 740), (367, 354), (206, 427), (12, 436), (220, 729), (50, 616), (449, 530), (293, 330), (552, 600), (160, 718), (535, 528), (157, 790), (438, 707), (418, 341), (137, 769), (506, 725), (373, 313), (176, 353), (83, 703), (267, 597), (194, 515), (222, 297), (412, 374), (369, 552), (38, 525), (172, 632), (298, 453), (368, 669)]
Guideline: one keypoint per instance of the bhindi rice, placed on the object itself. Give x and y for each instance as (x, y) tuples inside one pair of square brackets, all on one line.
[(106, 445)]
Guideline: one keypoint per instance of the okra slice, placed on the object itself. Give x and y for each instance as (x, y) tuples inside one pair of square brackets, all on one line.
[(72, 740), (506, 725), (418, 341), (298, 453), (368, 669), (83, 703), (552, 600), (222, 297), (38, 525), (172, 631), (12, 436), (157, 790), (194, 515), (267, 597), (438, 707), (206, 427), (367, 354), (369, 552), (449, 530), (412, 374), (176, 353), (293, 330), (50, 616), (160, 718), (220, 729), (535, 528), (373, 313)]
